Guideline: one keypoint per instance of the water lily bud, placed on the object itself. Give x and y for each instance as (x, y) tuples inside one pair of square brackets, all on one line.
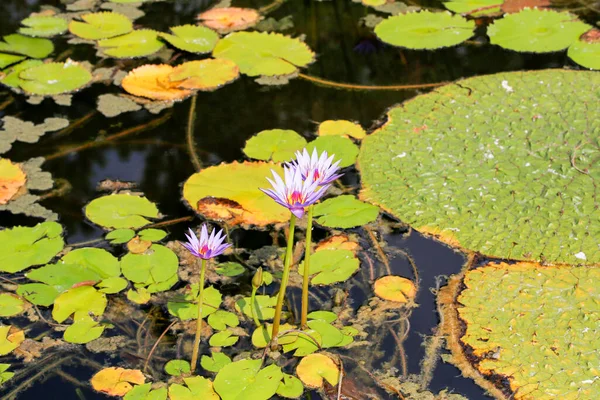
[(257, 279)]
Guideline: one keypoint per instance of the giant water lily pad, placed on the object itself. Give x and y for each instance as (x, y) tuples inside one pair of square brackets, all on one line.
[(192, 38), (43, 25), (27, 46), (536, 31), (501, 164), (121, 211), (537, 322), (54, 78), (345, 212), (245, 379), (331, 266), (425, 30), (274, 144), (229, 193), (24, 247), (101, 25), (264, 53), (139, 43)]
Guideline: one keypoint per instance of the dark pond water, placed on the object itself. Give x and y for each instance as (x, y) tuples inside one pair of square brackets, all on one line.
[(156, 158)]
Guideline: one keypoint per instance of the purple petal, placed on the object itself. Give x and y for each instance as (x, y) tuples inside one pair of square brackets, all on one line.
[(298, 212)]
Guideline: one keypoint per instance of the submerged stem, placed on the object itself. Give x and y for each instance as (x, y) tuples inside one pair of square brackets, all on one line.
[(190, 135), (304, 315), (284, 282), (253, 307), (199, 320), (352, 86)]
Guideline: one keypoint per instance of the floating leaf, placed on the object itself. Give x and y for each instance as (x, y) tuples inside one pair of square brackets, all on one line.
[(185, 308), (262, 335), (341, 128), (291, 387), (425, 30), (274, 145), (223, 339), (12, 178), (152, 235), (27, 46), (265, 306), (476, 8), (9, 59), (221, 319), (395, 288), (38, 293), (338, 242), (119, 236), (472, 178), (230, 269), (536, 31), (345, 212), (112, 285), (83, 330), (117, 381), (138, 246), (14, 129), (139, 296), (206, 75), (301, 343), (10, 76), (54, 78), (229, 19), (340, 146), (5, 375), (215, 362), (331, 266), (245, 378), (158, 265), (44, 26), (10, 338), (198, 387), (121, 211), (326, 316), (313, 368), (264, 53), (83, 298), (98, 260), (192, 38), (101, 25), (330, 335), (145, 392), (24, 247), (585, 54), (111, 105), (229, 193), (152, 81), (177, 367), (139, 43), (11, 305)]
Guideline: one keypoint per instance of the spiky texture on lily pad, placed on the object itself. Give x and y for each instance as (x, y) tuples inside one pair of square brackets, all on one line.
[(502, 164)]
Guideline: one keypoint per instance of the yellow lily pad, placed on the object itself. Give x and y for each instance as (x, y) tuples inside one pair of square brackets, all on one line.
[(341, 128), (313, 368), (117, 381), (395, 288)]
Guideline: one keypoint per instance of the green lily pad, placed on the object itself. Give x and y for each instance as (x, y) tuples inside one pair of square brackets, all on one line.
[(177, 367), (472, 177), (301, 343), (101, 25), (10, 339), (98, 260), (139, 43), (265, 309), (83, 298), (139, 296), (54, 78), (331, 266), (121, 211), (484, 7), (230, 269), (112, 285), (198, 387), (158, 264), (145, 392), (342, 147), (326, 316), (244, 379), (192, 38), (425, 30), (262, 335), (215, 362), (223, 339), (9, 59), (60, 276), (39, 294), (11, 305), (221, 319), (44, 26), (11, 78), (330, 335), (152, 235), (290, 387), (23, 247), (341, 128), (261, 53), (344, 212), (27, 46), (83, 330), (536, 31), (185, 307), (274, 145), (119, 236), (5, 375), (585, 54)]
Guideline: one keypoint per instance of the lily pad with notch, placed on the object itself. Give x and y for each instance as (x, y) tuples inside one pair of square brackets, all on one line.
[(24, 247), (101, 25), (43, 26), (138, 43), (331, 266), (192, 38), (345, 212), (274, 145), (121, 211)]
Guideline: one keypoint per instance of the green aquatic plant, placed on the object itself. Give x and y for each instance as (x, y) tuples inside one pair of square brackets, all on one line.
[(257, 281), (206, 247), (43, 26), (274, 145)]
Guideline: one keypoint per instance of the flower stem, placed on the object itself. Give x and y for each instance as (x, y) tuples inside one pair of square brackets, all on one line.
[(199, 320), (303, 320), (253, 306), (284, 282)]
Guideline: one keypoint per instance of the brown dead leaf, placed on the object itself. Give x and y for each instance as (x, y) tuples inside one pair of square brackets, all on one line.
[(591, 36), (138, 246), (30, 349), (152, 81), (117, 381), (109, 185), (220, 209), (12, 179), (229, 19)]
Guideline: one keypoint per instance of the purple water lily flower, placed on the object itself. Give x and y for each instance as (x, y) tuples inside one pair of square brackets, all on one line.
[(295, 193), (207, 246), (322, 169)]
